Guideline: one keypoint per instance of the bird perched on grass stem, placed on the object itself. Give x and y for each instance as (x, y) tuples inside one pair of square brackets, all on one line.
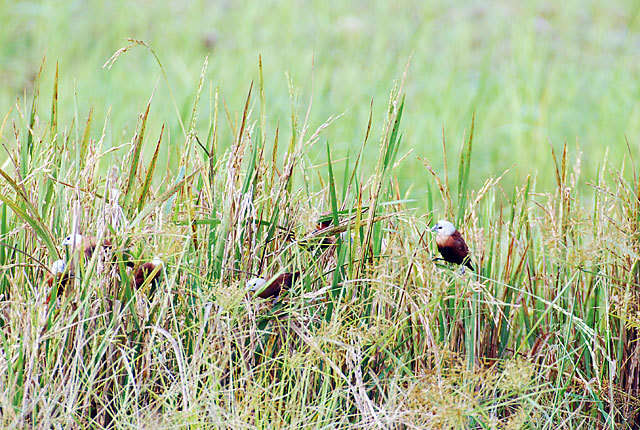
[(84, 244), (147, 269), (451, 245), (281, 282)]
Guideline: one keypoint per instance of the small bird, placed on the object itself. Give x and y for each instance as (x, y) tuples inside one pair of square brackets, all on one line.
[(60, 274), (451, 244), (145, 270), (85, 244), (281, 282)]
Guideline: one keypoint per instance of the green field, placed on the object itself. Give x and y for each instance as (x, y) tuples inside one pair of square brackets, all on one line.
[(534, 73), (224, 132)]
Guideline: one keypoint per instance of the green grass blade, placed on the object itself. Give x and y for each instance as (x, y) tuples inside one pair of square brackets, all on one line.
[(152, 166), (463, 173), (54, 107), (135, 156), (84, 143), (332, 189)]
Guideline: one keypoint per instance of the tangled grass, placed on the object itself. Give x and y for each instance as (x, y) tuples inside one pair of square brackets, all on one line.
[(376, 334)]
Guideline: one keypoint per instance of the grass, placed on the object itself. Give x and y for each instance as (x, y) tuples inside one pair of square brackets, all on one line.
[(224, 167), (532, 73), (376, 334)]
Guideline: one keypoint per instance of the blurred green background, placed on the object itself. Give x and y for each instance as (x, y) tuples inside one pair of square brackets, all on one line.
[(534, 73)]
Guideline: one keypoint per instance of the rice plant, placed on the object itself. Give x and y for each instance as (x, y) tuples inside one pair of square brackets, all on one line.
[(373, 333)]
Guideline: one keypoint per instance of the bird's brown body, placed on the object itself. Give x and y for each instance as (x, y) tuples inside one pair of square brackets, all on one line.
[(454, 249), (89, 246), (282, 282), (143, 272)]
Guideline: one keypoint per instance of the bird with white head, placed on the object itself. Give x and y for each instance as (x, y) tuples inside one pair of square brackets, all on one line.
[(273, 289), (451, 245), (255, 284), (73, 240), (60, 274)]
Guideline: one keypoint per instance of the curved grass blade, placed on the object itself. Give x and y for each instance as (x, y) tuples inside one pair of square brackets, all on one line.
[(149, 176)]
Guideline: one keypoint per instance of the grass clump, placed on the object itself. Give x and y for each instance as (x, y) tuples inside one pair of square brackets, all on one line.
[(374, 334)]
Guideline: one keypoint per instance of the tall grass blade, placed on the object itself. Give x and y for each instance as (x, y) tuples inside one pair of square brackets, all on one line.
[(332, 189), (136, 153), (463, 173), (149, 177)]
